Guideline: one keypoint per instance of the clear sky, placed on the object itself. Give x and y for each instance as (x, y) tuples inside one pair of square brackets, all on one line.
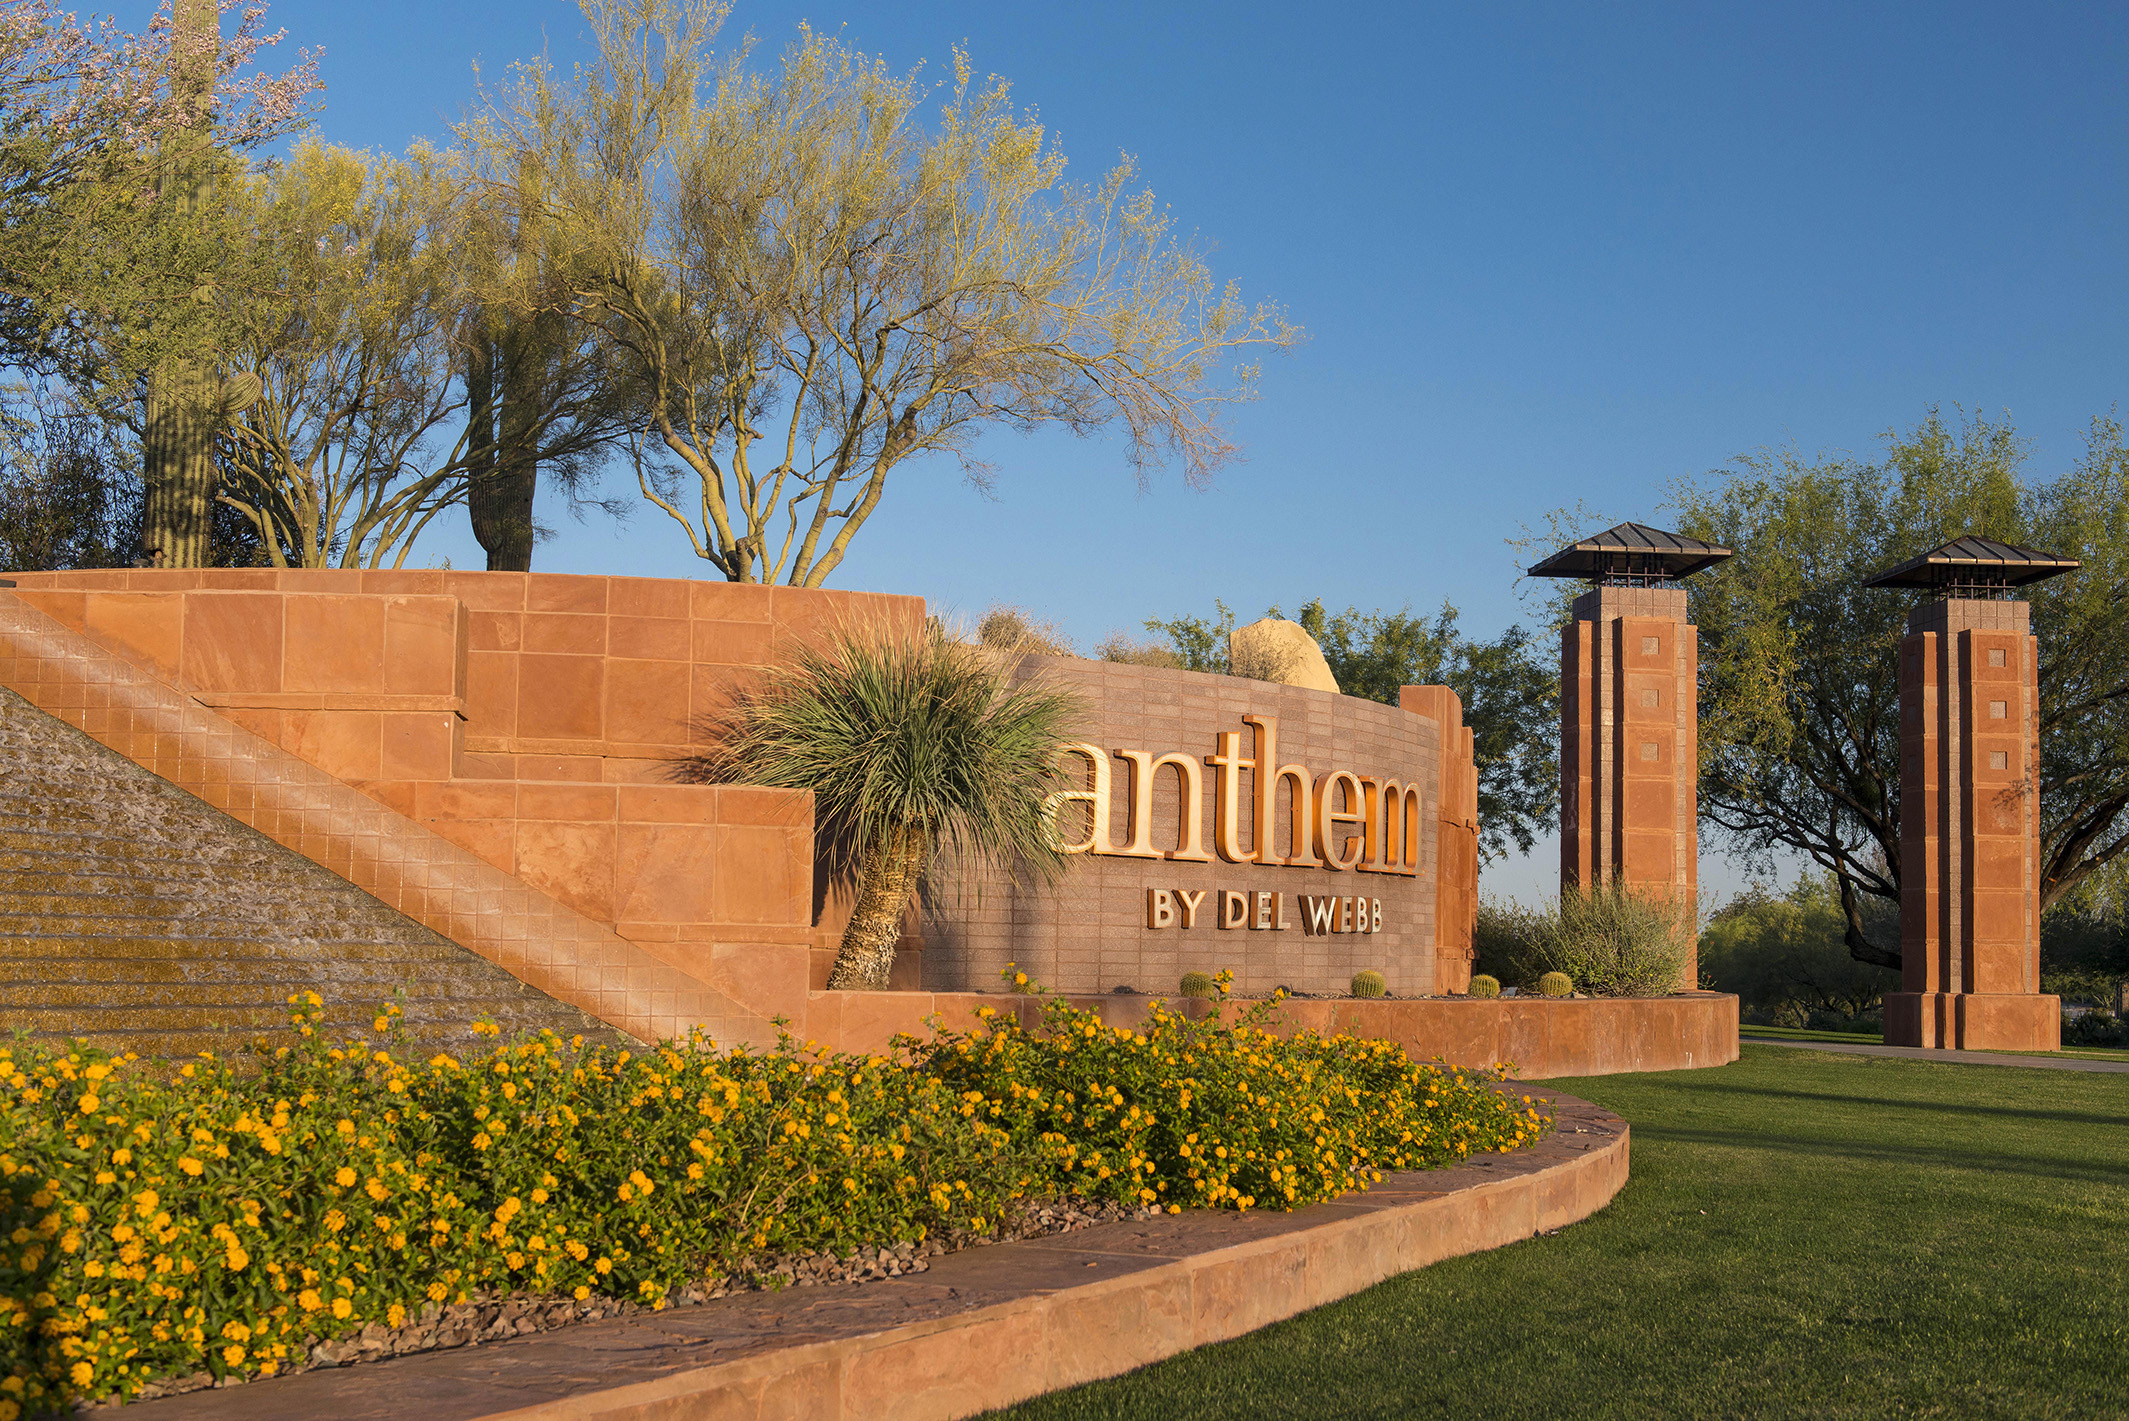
[(1544, 253)]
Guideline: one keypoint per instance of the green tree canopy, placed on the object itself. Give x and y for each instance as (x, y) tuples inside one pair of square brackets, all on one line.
[(816, 273), (1799, 700)]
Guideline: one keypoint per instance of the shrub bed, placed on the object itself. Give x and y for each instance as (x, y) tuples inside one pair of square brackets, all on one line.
[(230, 1216)]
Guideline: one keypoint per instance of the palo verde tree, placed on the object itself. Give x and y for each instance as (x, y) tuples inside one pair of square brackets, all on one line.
[(367, 425), (1799, 698), (90, 118), (815, 275)]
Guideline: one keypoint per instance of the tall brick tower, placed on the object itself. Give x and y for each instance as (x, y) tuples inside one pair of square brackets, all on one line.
[(1969, 804), (1629, 743)]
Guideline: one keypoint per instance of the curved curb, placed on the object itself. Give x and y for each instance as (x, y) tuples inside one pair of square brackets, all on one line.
[(982, 1328)]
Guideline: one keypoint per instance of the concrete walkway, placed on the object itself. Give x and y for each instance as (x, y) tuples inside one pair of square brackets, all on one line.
[(1963, 1058)]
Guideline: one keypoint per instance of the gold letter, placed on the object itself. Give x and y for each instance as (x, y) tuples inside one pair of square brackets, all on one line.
[(1096, 798), (1188, 902), (1160, 908), (1332, 845), (1316, 914), (1227, 796), (1263, 918), (1301, 834), (1234, 908), (1393, 828), (1190, 789)]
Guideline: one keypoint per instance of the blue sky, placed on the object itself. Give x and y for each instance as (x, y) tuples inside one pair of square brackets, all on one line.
[(1544, 253)]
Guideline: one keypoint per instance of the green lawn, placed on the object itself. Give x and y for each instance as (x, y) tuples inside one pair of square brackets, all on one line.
[(1872, 1038), (1805, 1234)]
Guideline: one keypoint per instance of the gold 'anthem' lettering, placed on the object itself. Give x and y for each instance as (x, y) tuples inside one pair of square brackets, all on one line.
[(1301, 829), (1190, 789), (1377, 830)]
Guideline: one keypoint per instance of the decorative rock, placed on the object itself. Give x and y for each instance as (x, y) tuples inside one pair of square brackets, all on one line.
[(1279, 651)]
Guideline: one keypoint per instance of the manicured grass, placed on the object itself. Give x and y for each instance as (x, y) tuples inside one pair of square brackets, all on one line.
[(1805, 1033), (1805, 1234), (1872, 1038)]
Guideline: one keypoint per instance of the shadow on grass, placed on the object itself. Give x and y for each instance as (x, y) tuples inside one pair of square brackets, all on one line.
[(1935, 1107), (1908, 1156)]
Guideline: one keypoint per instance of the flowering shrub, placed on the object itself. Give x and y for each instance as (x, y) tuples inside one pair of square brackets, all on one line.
[(1220, 1112), (228, 1217)]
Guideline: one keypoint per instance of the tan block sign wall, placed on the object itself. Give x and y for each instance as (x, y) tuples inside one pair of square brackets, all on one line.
[(1103, 926)]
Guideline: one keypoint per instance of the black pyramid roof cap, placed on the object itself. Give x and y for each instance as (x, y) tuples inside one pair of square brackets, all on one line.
[(1631, 548), (1972, 561)]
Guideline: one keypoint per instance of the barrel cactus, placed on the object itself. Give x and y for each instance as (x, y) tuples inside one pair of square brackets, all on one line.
[(1199, 984), (1484, 986), (1556, 984), (1369, 984)]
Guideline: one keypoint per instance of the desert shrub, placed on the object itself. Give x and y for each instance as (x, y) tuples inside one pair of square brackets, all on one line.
[(1501, 937), (1556, 984), (1369, 984), (920, 752), (1787, 960), (1484, 985), (1612, 940), (229, 1216), (1130, 651), (1198, 984), (2094, 1028), (1018, 632)]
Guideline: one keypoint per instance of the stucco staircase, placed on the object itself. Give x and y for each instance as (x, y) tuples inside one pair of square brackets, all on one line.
[(164, 868)]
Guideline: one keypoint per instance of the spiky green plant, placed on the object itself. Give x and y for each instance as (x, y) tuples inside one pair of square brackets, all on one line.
[(1556, 984), (916, 748), (1485, 986), (1369, 984), (1199, 984)]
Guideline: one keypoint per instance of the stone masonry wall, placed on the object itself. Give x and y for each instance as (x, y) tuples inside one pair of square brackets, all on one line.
[(1090, 933)]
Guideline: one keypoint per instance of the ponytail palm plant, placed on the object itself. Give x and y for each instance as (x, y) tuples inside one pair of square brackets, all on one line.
[(916, 747)]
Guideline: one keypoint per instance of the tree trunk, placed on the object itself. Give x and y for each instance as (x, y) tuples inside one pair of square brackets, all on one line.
[(888, 874), (184, 395), (499, 498)]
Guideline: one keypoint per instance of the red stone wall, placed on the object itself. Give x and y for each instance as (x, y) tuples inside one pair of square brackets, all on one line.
[(1629, 745), (1970, 832)]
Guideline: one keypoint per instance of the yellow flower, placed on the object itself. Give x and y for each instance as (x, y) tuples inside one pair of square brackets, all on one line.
[(582, 1293), (89, 1104), (232, 1354), (343, 1308), (344, 1176), (309, 1300), (190, 1165)]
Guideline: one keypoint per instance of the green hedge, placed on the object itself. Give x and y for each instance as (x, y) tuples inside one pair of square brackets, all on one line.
[(230, 1216)]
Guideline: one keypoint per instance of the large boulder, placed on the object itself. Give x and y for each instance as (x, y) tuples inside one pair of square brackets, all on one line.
[(1281, 651)]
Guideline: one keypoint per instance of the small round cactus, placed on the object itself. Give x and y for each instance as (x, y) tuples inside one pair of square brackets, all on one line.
[(1556, 984), (1199, 984), (1484, 986), (1369, 984)]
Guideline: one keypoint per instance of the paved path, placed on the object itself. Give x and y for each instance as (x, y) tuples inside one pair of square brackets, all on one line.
[(1964, 1058)]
